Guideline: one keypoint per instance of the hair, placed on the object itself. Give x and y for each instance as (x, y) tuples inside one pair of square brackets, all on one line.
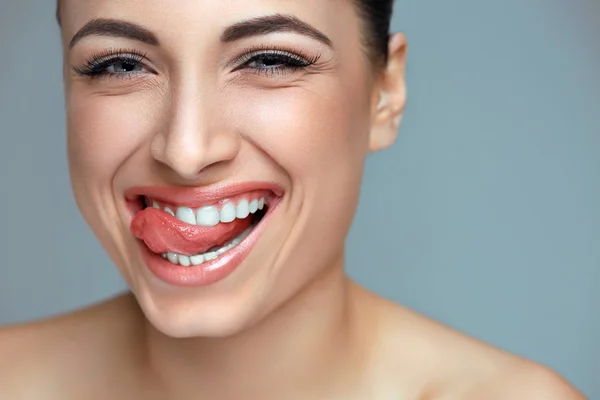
[(376, 16)]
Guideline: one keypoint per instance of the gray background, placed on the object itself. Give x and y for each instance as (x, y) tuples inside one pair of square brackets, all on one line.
[(485, 215)]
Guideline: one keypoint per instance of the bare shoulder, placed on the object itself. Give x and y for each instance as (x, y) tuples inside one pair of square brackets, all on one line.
[(528, 381), (449, 365), (45, 356)]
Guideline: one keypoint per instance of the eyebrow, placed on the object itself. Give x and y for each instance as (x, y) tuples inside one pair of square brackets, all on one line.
[(253, 27), (115, 28), (271, 24)]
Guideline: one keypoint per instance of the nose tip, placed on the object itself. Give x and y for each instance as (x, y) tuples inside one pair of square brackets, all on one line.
[(194, 134), (189, 154)]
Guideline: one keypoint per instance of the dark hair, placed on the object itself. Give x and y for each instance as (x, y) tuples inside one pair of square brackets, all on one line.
[(376, 16)]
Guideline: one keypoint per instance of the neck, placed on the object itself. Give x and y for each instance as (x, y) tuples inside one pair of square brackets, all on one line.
[(306, 343)]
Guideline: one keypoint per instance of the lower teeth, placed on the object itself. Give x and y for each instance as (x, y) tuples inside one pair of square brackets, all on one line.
[(186, 261)]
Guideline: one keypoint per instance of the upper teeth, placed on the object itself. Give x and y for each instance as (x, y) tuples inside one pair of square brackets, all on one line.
[(211, 215)]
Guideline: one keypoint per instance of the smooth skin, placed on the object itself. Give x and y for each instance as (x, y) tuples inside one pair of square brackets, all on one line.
[(289, 323)]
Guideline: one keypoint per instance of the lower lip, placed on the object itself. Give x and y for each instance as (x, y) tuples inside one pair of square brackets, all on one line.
[(209, 272)]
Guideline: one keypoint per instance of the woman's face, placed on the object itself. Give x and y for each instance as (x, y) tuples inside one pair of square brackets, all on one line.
[(198, 98)]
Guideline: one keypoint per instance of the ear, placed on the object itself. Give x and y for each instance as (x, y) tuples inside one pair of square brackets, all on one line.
[(389, 96)]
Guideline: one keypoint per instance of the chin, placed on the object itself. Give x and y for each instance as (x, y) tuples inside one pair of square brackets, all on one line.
[(201, 318), (218, 311)]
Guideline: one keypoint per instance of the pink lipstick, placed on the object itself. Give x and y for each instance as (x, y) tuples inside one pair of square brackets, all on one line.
[(199, 236)]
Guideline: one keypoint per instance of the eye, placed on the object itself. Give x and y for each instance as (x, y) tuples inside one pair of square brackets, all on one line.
[(113, 64), (123, 66), (274, 61)]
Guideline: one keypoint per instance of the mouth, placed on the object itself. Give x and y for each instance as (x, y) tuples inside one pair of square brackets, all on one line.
[(232, 222), (202, 242)]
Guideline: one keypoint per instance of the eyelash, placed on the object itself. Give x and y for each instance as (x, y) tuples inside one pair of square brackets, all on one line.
[(95, 66), (291, 61), (286, 62)]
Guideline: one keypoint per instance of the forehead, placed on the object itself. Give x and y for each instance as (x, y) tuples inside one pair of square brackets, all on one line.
[(177, 18)]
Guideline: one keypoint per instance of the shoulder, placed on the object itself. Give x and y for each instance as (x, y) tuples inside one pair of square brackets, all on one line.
[(38, 359), (527, 381), (453, 366)]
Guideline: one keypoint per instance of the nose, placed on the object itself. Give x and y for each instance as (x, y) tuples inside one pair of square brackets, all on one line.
[(196, 135)]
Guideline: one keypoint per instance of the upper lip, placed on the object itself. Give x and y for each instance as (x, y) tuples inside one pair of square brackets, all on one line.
[(199, 196)]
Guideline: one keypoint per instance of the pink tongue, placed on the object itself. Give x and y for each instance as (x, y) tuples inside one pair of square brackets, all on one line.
[(163, 233)]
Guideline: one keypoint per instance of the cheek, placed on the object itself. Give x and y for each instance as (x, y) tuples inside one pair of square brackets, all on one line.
[(319, 137), (309, 132), (102, 132)]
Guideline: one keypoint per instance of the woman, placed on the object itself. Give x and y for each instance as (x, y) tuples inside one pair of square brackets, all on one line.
[(216, 150)]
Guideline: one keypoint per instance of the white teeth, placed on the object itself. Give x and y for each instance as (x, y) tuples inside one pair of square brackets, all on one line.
[(253, 206), (197, 260), (222, 250), (208, 216), (228, 213), (173, 258), (186, 215), (184, 260), (210, 256), (243, 209)]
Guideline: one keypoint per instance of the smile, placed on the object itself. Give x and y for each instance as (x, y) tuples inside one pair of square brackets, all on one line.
[(192, 237), (232, 213)]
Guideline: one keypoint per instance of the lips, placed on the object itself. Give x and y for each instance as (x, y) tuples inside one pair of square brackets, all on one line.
[(160, 233), (199, 197)]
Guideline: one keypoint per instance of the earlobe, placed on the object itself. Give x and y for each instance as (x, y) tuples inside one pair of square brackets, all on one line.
[(391, 90)]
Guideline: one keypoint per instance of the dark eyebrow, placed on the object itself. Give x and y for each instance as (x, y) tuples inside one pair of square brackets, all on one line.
[(116, 28), (270, 24)]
